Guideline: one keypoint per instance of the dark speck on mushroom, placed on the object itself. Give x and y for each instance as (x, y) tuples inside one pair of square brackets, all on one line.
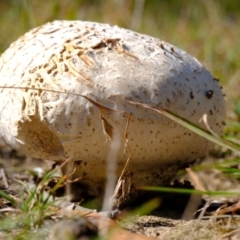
[(209, 94), (191, 95)]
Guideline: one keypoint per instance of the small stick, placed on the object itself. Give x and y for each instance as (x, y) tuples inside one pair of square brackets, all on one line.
[(4, 178)]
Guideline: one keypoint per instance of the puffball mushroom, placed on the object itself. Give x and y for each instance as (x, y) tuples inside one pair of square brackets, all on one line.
[(70, 90)]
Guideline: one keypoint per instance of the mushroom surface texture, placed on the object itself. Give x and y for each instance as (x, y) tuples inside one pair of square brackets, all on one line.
[(70, 91)]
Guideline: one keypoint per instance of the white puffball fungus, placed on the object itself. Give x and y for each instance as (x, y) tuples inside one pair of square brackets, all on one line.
[(74, 84)]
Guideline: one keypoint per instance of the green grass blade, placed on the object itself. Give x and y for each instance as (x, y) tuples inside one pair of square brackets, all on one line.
[(187, 191), (193, 127), (8, 198)]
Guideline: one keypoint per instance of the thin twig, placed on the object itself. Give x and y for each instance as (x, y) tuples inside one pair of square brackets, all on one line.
[(4, 178)]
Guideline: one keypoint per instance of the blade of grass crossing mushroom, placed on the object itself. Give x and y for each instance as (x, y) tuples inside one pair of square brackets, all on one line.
[(218, 140), (100, 106)]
